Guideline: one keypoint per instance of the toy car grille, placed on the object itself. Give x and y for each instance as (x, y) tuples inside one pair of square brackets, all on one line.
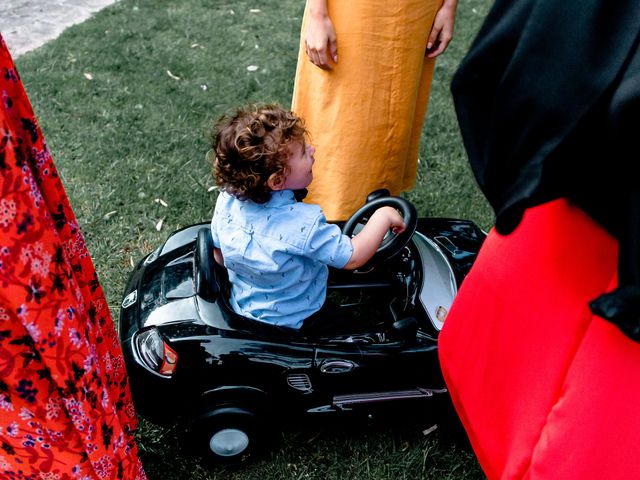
[(300, 382)]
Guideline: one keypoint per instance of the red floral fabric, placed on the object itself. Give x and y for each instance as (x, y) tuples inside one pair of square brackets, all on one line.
[(65, 406)]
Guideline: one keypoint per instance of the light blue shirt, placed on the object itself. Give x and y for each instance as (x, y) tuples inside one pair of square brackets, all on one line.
[(277, 255)]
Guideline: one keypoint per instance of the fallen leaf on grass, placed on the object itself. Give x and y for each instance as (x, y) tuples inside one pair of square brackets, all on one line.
[(172, 75), (429, 430)]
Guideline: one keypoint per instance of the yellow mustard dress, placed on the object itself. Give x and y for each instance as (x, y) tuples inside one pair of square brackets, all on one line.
[(365, 116)]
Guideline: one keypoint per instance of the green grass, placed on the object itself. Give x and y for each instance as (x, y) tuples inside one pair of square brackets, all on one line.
[(126, 101), (328, 452)]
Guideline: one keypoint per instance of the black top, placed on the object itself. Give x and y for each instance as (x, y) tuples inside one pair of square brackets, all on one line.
[(548, 101)]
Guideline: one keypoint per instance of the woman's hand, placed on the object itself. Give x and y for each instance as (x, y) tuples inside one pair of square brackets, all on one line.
[(442, 30), (320, 37)]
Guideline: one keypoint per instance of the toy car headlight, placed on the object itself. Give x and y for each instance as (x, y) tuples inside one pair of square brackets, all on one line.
[(154, 352)]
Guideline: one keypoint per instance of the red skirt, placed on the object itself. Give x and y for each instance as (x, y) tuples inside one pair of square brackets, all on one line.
[(545, 389), (65, 408)]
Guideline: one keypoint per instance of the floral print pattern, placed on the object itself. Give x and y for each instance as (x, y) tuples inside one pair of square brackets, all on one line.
[(65, 406)]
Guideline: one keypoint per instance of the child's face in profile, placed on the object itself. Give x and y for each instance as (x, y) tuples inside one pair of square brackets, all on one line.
[(298, 173)]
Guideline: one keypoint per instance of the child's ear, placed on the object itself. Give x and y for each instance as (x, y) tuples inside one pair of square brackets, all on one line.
[(276, 182)]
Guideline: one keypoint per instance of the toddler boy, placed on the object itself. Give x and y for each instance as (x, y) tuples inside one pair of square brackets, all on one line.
[(277, 250)]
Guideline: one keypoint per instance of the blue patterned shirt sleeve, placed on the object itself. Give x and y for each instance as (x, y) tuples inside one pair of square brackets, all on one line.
[(327, 244)]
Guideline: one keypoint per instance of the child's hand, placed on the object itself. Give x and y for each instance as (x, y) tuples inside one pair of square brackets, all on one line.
[(370, 237), (396, 222)]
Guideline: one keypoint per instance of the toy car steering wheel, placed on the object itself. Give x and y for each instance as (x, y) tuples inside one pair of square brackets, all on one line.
[(392, 243)]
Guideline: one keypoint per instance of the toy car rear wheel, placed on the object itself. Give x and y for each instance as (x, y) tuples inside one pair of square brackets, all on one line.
[(229, 436)]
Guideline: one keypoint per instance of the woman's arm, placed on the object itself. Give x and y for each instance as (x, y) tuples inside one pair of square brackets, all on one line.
[(442, 30), (319, 35)]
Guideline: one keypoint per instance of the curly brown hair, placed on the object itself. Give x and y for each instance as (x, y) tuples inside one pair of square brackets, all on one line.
[(251, 145)]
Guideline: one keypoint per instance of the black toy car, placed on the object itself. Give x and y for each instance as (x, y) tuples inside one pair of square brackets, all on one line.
[(230, 380)]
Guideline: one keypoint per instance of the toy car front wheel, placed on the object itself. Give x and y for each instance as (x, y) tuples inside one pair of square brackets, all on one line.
[(228, 436)]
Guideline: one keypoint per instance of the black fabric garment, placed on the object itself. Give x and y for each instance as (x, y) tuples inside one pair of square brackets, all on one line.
[(548, 101)]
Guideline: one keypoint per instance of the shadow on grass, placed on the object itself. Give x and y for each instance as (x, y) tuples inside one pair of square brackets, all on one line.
[(395, 446)]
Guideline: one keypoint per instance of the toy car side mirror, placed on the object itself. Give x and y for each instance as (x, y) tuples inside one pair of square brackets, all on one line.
[(204, 267)]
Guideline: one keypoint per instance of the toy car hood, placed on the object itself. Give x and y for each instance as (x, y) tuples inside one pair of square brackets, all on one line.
[(162, 291)]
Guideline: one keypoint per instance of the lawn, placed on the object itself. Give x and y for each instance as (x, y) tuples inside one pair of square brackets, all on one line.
[(126, 101)]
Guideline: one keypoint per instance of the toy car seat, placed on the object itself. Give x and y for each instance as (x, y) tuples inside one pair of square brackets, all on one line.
[(206, 280), (212, 284)]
